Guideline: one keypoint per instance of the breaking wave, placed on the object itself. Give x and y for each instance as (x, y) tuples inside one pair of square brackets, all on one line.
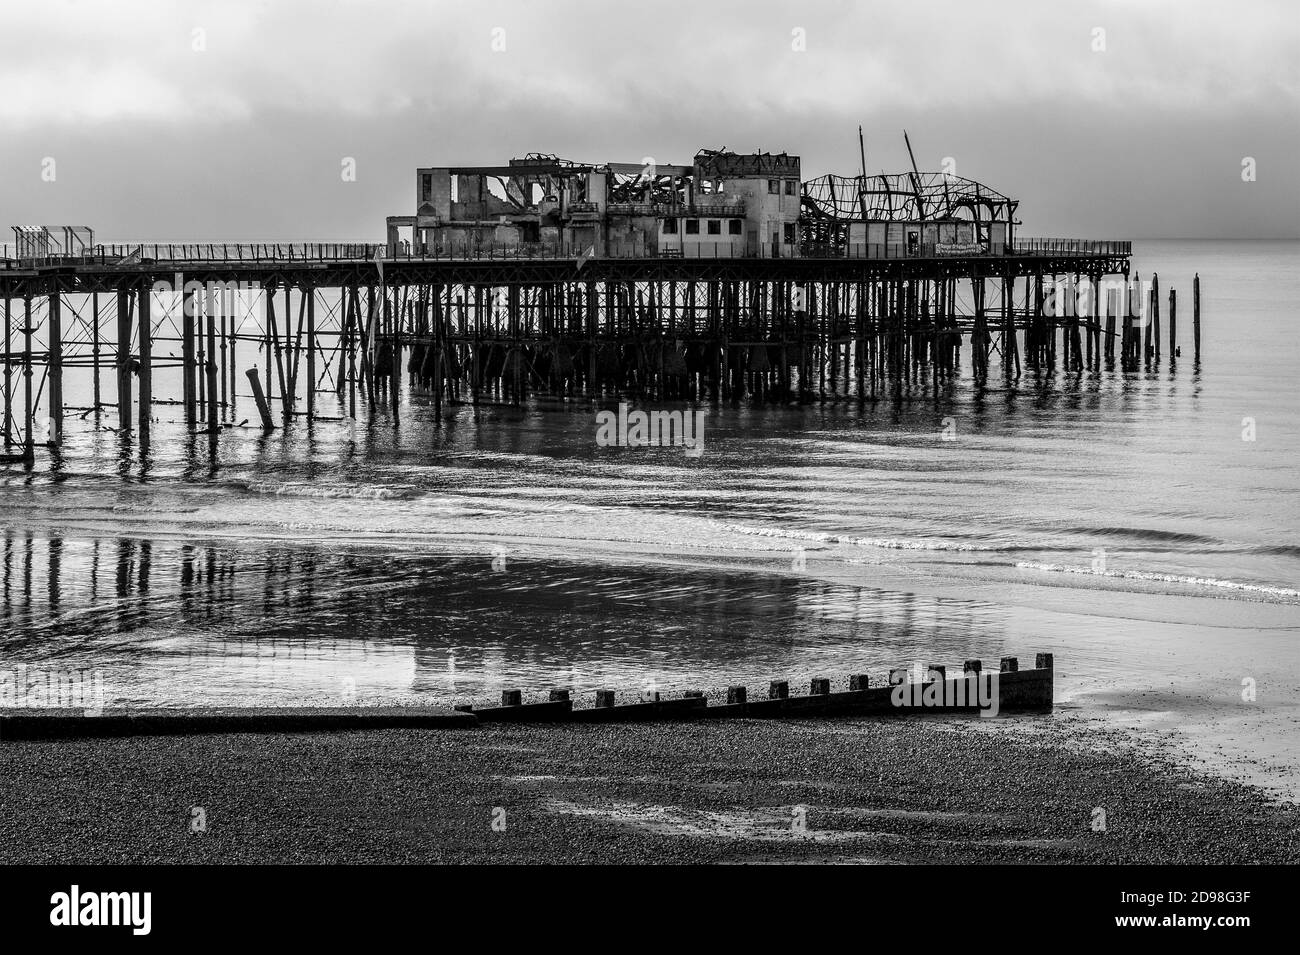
[(892, 543), (1162, 578), (370, 492)]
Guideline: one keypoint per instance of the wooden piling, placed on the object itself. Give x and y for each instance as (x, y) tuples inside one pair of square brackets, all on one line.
[(232, 358), (1173, 324), (222, 347), (395, 357), (263, 408), (353, 308), (311, 351), (94, 348), (124, 360), (267, 357), (8, 379), (1111, 308), (214, 420), (188, 360), (55, 367), (274, 344), (1196, 317), (1094, 332), (1153, 320), (201, 354), (144, 294), (29, 439), (368, 343)]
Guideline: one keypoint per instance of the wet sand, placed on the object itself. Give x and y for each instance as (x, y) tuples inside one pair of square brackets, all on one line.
[(854, 791)]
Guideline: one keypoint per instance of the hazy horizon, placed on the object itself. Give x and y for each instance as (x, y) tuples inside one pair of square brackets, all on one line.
[(231, 121)]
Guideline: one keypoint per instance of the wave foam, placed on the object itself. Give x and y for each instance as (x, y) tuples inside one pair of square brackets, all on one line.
[(358, 491), (891, 543), (1161, 578)]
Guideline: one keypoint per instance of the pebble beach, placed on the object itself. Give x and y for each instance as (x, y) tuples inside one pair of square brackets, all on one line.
[(889, 791)]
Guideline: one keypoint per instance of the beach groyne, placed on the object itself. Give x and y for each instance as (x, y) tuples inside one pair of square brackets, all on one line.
[(976, 691), (45, 723)]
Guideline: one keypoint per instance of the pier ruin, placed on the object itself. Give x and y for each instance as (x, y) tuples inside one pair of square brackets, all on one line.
[(728, 278)]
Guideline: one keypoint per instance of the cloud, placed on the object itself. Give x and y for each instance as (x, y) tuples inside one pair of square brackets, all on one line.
[(240, 106), (69, 62)]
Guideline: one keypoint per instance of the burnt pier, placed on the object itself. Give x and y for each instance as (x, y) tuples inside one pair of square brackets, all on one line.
[(725, 279), (334, 329)]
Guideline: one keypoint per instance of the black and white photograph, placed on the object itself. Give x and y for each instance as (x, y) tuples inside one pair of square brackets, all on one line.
[(441, 435)]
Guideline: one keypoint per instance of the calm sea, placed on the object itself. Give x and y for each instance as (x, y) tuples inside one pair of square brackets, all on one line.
[(1144, 526)]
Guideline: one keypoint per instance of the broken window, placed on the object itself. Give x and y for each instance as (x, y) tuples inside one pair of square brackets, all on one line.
[(692, 226), (733, 226), (426, 187), (715, 227), (773, 186), (789, 233), (670, 227), (789, 187)]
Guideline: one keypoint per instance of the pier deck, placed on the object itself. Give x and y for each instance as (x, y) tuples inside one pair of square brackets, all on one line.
[(349, 322)]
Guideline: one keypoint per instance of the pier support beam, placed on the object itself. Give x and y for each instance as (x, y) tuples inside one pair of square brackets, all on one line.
[(1173, 324), (311, 352), (1196, 317), (29, 439), (8, 379), (94, 352), (55, 336), (263, 408), (188, 360), (146, 363), (123, 360), (210, 368)]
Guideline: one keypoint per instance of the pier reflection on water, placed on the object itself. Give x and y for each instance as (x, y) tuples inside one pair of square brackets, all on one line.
[(179, 623)]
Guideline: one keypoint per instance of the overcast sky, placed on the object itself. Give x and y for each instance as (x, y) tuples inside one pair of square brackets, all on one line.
[(231, 120)]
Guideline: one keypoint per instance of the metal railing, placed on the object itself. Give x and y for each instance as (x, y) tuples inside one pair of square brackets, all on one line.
[(1073, 246), (716, 209), (175, 254), (134, 253), (702, 208)]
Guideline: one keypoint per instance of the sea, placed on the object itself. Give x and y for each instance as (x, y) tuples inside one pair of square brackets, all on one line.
[(1142, 526)]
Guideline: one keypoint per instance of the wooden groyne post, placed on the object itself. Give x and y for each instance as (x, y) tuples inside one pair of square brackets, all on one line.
[(1173, 324), (1196, 317), (263, 409)]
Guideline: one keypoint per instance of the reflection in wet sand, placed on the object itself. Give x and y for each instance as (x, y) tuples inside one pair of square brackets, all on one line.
[(179, 623)]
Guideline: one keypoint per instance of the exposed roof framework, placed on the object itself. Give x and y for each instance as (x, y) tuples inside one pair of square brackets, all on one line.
[(723, 163), (905, 197), (660, 188), (525, 180), (41, 241)]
